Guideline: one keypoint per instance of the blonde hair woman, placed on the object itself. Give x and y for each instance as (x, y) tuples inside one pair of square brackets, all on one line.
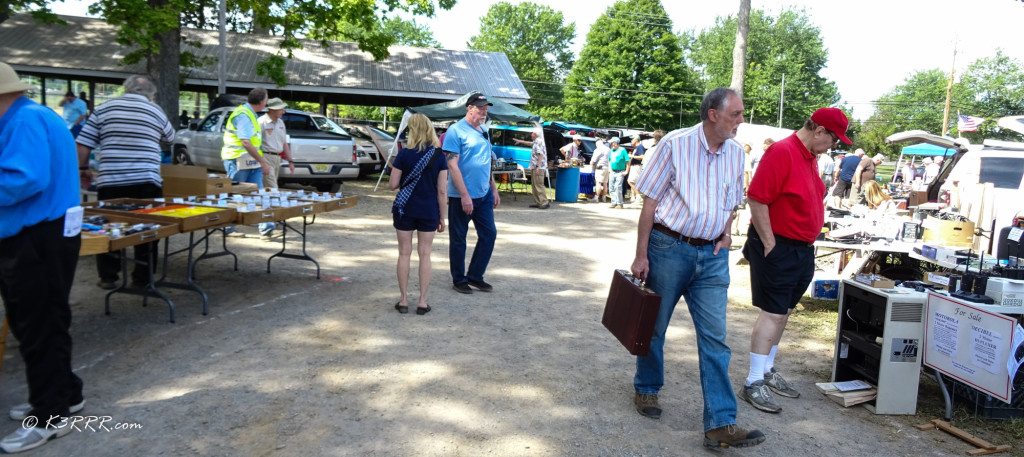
[(420, 174), (876, 198)]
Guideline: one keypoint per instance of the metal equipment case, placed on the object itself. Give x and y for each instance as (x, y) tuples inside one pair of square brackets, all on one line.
[(878, 340)]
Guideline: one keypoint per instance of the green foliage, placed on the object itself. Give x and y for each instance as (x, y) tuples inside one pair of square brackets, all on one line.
[(991, 87), (917, 104), (410, 33), (630, 71), (995, 86), (536, 40), (39, 9), (789, 44)]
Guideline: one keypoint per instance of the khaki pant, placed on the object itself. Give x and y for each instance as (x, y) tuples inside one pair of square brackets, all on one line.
[(270, 179), (540, 193)]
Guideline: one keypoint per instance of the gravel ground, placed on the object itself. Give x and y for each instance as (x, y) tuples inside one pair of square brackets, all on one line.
[(286, 364)]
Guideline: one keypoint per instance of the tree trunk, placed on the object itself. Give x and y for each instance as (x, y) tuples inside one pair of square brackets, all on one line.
[(739, 52), (164, 70)]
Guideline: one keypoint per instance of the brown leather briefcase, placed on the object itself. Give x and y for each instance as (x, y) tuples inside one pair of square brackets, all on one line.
[(630, 312)]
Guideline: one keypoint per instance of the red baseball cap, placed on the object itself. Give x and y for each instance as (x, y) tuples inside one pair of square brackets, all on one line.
[(834, 121)]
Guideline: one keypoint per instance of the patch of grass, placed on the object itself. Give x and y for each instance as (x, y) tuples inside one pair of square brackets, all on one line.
[(816, 318)]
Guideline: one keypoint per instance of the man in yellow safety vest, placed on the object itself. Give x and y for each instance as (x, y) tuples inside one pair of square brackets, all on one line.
[(243, 160)]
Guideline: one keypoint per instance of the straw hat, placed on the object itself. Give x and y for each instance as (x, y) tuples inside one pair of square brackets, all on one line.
[(9, 81)]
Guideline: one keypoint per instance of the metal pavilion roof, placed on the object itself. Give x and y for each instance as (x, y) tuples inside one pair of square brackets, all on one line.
[(341, 73)]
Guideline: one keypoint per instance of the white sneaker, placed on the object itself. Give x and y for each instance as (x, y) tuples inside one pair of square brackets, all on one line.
[(20, 412), (24, 439)]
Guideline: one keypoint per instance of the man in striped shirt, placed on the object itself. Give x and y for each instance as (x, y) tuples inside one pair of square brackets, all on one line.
[(127, 131), (693, 182)]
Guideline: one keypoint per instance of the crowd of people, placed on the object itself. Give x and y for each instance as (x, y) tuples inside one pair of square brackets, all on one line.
[(683, 230), (682, 236)]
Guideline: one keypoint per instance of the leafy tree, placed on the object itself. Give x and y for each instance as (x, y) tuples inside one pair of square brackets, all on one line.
[(991, 87), (154, 27), (409, 33), (630, 71), (917, 104), (788, 44), (536, 40), (996, 89)]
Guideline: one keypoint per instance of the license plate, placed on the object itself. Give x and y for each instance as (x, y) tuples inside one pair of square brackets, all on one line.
[(376, 167), (321, 168)]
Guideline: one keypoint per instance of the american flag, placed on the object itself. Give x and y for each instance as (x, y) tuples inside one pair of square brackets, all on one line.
[(968, 123)]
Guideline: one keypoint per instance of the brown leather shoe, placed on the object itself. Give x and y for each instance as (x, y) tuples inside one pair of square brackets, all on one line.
[(647, 405), (732, 436)]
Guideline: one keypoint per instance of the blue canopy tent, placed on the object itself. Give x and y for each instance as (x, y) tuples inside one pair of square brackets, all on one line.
[(925, 149), (920, 149)]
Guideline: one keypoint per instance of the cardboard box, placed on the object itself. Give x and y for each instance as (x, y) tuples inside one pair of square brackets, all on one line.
[(116, 244), (243, 188), (917, 197), (187, 180), (948, 233), (937, 279), (185, 223), (928, 251), (876, 281), (93, 244), (827, 289), (1006, 292)]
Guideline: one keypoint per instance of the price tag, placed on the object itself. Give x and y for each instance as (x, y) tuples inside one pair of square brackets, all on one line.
[(161, 200), (250, 206), (222, 203), (224, 195), (1015, 234), (211, 197), (179, 200)]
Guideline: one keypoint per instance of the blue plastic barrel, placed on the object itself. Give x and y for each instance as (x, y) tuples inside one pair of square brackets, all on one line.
[(567, 185)]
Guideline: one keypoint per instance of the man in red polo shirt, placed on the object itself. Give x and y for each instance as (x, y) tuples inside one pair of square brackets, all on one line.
[(788, 213)]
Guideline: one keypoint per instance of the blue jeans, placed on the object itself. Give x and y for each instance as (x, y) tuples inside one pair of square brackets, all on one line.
[(615, 187), (679, 269), (253, 175), (486, 232)]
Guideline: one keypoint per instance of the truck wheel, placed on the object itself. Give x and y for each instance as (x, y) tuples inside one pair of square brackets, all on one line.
[(181, 157)]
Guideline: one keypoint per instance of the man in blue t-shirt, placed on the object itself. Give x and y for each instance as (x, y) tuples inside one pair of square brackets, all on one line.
[(846, 170), (75, 111), (472, 195)]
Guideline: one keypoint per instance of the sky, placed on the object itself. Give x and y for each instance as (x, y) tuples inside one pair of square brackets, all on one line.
[(873, 45)]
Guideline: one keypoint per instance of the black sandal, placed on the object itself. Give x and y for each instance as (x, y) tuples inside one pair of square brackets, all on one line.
[(422, 311), (401, 309)]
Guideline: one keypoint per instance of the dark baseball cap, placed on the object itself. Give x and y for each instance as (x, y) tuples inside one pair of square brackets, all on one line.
[(478, 100)]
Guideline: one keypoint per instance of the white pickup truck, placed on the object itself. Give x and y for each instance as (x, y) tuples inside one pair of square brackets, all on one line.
[(323, 153)]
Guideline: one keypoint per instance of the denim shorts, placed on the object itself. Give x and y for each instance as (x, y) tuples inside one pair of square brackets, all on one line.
[(409, 223)]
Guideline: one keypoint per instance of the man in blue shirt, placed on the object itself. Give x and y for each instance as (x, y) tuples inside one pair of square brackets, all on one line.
[(846, 170), (472, 195), (39, 243), (75, 111)]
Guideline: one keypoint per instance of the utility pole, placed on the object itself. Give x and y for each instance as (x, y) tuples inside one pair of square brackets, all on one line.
[(221, 64), (949, 94), (782, 96)]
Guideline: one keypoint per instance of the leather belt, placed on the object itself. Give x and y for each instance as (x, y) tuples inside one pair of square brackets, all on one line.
[(688, 240), (273, 153)]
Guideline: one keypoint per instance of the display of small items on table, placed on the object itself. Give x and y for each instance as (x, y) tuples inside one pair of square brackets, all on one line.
[(99, 225)]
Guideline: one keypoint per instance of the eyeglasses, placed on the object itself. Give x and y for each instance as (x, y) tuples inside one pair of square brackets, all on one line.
[(835, 138)]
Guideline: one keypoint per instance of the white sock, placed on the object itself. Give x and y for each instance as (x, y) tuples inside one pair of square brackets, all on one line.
[(756, 373), (770, 363)]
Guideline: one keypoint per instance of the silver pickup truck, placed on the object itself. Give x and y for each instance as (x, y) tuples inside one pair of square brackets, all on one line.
[(323, 153)]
